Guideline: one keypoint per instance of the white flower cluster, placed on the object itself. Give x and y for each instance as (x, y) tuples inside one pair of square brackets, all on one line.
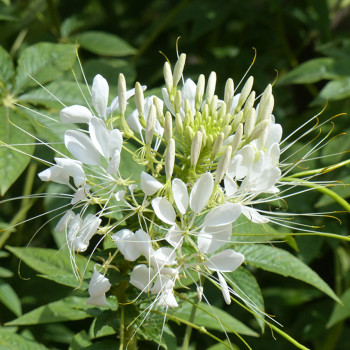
[(203, 162)]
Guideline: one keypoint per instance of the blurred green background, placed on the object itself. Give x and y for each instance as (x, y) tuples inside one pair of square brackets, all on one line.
[(302, 46)]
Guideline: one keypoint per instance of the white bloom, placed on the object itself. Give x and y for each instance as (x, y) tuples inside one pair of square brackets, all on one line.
[(98, 287)]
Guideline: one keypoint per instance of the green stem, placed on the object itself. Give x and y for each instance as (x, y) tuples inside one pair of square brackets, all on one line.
[(187, 337), (321, 189), (122, 327), (286, 336)]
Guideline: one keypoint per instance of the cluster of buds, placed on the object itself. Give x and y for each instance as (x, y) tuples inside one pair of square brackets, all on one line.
[(203, 162)]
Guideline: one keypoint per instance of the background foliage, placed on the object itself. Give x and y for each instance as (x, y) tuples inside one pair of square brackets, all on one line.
[(305, 45)]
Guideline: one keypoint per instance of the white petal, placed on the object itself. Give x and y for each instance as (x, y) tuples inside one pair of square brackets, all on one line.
[(162, 283), (99, 136), (226, 261), (253, 215), (115, 140), (134, 123), (141, 277), (81, 147), (174, 236), (201, 192), (164, 210), (88, 228), (167, 299), (224, 289), (65, 221), (149, 184), (163, 256), (72, 168), (113, 165), (230, 186), (99, 300), (75, 114), (127, 244), (98, 286), (80, 194), (99, 92), (211, 239), (223, 214), (143, 243), (55, 174), (180, 195), (167, 101)]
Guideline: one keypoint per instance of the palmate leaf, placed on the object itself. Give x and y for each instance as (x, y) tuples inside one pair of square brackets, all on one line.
[(53, 265), (283, 263), (7, 69), (15, 159), (13, 341), (67, 309), (44, 62)]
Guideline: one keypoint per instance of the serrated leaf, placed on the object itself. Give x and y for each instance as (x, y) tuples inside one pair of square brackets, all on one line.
[(245, 284), (9, 298), (7, 69), (52, 263), (12, 341), (68, 92), (12, 161), (283, 263), (67, 309), (44, 62), (315, 70), (211, 317), (104, 44), (340, 311)]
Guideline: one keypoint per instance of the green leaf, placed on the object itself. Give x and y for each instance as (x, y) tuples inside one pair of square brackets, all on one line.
[(211, 317), (7, 70), (53, 264), (44, 62), (80, 341), (5, 273), (12, 341), (343, 189), (340, 311), (104, 344), (283, 263), (246, 286), (315, 70), (15, 147), (67, 309), (104, 44), (68, 92), (128, 167), (9, 298), (335, 90)]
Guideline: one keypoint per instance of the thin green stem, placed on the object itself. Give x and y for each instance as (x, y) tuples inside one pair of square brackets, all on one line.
[(188, 332), (321, 189), (122, 327)]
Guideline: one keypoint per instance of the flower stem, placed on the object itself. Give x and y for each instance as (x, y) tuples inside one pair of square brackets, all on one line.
[(187, 337)]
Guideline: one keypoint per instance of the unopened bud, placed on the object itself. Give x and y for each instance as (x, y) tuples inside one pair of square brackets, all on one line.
[(196, 147), (213, 105), (237, 138), (158, 103), (168, 77), (199, 91), (139, 99), (177, 101), (237, 120), (168, 126), (249, 122), (227, 131), (188, 109), (247, 88), (211, 87), (150, 124), (266, 108), (122, 93), (189, 133), (229, 91), (259, 129), (178, 124), (249, 103), (222, 111), (223, 164), (217, 144), (266, 94), (178, 69), (170, 159), (204, 139)]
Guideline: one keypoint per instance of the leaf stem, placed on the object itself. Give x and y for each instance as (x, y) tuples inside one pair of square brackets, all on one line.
[(188, 332)]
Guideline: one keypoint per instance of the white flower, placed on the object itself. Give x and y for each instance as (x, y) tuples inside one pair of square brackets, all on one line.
[(98, 287)]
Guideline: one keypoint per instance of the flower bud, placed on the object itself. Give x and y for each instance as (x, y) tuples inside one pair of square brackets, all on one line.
[(150, 124), (170, 159), (189, 133), (159, 109), (204, 139), (214, 106), (217, 145), (237, 139), (249, 103), (196, 147), (178, 69), (222, 111), (229, 91), (245, 93), (139, 99), (178, 124), (211, 87), (266, 108), (223, 164), (168, 77), (259, 129), (168, 126), (237, 120), (177, 101), (122, 93), (199, 91), (249, 122)]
